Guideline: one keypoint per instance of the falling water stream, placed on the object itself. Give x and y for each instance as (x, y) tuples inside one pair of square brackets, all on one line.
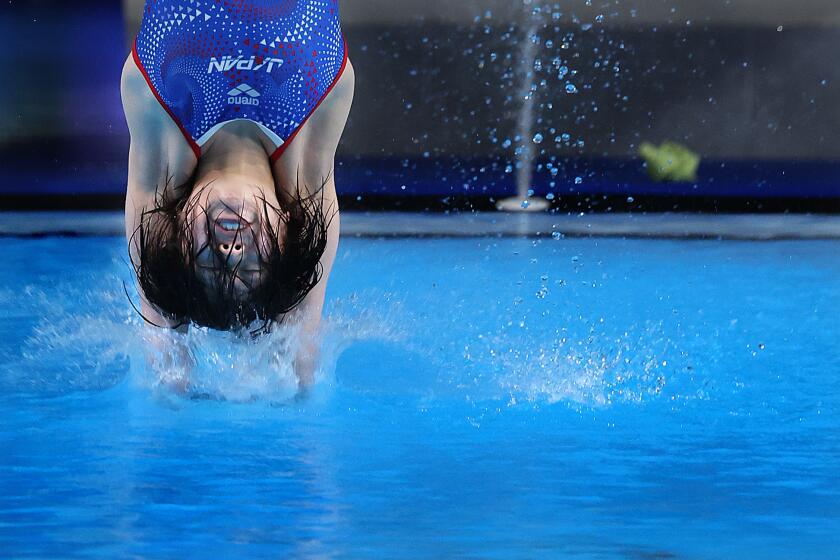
[(528, 92)]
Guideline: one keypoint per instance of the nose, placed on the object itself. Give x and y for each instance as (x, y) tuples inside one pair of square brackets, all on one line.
[(233, 242), (230, 250)]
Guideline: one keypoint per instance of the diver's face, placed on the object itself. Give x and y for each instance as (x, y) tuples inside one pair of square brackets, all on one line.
[(230, 232)]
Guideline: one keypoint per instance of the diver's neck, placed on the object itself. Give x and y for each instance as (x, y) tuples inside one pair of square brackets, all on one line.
[(234, 151)]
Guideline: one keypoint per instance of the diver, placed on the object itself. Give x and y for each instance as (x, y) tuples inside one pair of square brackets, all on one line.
[(235, 110)]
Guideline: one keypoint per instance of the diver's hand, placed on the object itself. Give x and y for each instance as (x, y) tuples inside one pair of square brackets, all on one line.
[(168, 359), (306, 361)]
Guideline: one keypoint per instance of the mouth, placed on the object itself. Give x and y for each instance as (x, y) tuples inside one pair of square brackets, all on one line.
[(231, 224), (227, 221), (233, 215)]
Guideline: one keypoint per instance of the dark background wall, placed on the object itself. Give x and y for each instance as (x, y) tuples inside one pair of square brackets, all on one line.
[(725, 91), (749, 84)]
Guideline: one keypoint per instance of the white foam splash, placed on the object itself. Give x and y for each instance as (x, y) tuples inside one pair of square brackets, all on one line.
[(70, 350), (220, 365), (98, 348), (593, 372), (586, 370)]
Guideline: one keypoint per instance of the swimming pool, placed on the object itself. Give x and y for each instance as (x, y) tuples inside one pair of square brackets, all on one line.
[(482, 398)]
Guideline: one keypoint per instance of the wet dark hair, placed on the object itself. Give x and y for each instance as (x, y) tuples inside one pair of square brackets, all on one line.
[(167, 275)]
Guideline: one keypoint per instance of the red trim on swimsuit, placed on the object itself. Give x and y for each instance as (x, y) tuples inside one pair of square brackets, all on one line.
[(280, 150)]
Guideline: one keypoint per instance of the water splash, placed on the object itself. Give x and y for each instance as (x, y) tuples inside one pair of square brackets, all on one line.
[(596, 372), (70, 351), (203, 363), (67, 350)]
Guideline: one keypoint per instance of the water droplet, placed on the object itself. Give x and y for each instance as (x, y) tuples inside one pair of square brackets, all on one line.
[(538, 138), (526, 203), (549, 196), (570, 88), (557, 236), (578, 180), (631, 199), (761, 346)]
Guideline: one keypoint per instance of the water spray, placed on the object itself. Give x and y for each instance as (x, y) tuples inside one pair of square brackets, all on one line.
[(524, 201)]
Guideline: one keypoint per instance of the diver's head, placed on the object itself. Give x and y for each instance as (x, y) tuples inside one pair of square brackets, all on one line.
[(229, 249)]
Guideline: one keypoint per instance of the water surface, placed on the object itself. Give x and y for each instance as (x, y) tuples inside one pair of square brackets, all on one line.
[(481, 398)]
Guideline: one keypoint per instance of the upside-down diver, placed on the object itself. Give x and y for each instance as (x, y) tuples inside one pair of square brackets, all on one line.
[(235, 110)]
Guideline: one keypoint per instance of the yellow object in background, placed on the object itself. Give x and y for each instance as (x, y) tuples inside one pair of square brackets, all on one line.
[(670, 162)]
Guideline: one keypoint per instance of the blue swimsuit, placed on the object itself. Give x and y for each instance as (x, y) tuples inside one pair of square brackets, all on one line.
[(210, 62)]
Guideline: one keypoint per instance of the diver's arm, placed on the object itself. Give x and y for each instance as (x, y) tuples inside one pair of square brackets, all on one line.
[(309, 164), (158, 154), (148, 162), (168, 357), (312, 307)]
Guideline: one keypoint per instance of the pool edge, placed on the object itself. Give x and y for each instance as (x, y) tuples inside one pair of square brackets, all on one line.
[(754, 227)]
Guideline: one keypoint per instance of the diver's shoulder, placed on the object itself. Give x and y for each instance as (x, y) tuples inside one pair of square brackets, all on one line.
[(339, 100), (349, 72), (141, 107), (347, 81), (136, 97), (132, 83)]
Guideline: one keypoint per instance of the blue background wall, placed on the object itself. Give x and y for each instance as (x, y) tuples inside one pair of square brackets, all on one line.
[(61, 124)]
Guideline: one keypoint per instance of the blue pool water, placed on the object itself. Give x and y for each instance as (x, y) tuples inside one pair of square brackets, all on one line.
[(480, 398)]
